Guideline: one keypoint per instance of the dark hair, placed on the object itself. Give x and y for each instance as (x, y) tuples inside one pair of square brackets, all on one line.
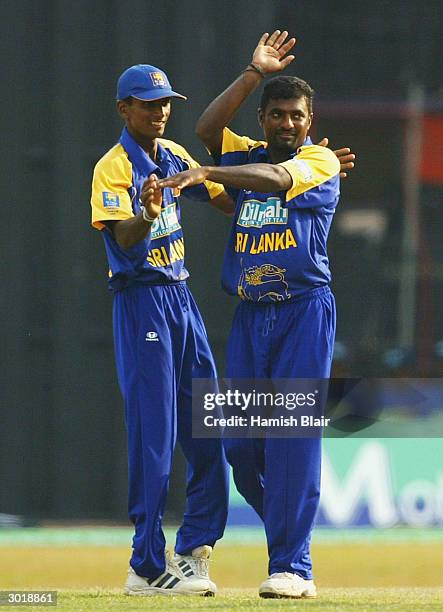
[(284, 88), (128, 100)]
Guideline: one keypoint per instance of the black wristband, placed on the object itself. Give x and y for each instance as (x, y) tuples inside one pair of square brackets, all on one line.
[(253, 68)]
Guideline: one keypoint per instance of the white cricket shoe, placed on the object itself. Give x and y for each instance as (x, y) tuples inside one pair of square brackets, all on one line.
[(172, 582), (196, 565), (287, 585)]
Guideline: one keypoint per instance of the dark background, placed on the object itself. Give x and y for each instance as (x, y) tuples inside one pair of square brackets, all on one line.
[(62, 441)]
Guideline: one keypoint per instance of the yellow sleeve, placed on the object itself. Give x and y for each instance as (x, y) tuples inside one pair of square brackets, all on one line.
[(214, 189), (233, 143), (313, 166), (110, 200)]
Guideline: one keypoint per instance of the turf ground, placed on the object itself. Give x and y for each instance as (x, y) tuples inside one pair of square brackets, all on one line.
[(365, 600), (394, 569)]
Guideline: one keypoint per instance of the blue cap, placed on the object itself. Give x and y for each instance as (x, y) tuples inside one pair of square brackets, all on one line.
[(145, 82)]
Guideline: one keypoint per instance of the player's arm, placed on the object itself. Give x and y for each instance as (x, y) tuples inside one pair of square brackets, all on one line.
[(203, 190), (256, 177), (269, 57), (129, 232), (152, 198), (313, 166)]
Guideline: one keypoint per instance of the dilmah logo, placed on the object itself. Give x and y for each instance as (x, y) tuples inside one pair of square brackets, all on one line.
[(151, 336)]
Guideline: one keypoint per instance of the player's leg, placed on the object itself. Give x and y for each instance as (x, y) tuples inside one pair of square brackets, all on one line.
[(246, 358), (146, 374), (207, 471), (303, 349)]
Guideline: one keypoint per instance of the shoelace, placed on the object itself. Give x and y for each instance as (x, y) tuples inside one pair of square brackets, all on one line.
[(200, 566)]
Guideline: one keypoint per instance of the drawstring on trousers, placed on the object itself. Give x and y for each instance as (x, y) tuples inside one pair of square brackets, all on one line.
[(270, 318)]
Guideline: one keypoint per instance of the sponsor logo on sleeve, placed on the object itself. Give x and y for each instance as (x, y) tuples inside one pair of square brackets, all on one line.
[(110, 200), (304, 168)]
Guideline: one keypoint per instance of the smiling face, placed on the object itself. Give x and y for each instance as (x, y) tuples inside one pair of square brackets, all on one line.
[(145, 120), (285, 124)]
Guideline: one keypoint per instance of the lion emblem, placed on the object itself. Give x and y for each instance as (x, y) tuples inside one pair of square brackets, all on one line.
[(258, 282)]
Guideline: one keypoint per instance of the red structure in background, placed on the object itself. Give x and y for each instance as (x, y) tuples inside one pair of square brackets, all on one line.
[(432, 150)]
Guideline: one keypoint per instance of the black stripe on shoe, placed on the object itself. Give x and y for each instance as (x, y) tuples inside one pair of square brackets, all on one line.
[(188, 574), (163, 581), (172, 584), (185, 567)]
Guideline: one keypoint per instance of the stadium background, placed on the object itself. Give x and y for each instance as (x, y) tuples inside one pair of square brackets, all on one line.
[(376, 68)]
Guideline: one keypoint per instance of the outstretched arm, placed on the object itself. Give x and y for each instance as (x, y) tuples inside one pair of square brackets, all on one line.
[(265, 178), (270, 56), (152, 197)]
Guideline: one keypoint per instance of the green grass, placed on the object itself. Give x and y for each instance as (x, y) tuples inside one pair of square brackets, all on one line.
[(362, 599), (341, 565), (390, 570)]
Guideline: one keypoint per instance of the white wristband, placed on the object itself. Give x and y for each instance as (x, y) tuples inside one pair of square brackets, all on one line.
[(146, 217)]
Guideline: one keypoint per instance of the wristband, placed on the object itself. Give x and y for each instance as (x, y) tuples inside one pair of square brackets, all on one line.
[(254, 68), (146, 217)]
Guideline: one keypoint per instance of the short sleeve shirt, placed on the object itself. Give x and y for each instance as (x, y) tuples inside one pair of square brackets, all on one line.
[(116, 188)]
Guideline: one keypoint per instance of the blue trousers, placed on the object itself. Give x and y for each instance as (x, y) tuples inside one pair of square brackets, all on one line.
[(160, 345), (280, 478)]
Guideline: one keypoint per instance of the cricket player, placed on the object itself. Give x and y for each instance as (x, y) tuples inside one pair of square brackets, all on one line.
[(286, 190), (160, 338)]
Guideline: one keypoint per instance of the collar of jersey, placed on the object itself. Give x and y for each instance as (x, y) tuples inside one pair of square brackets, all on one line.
[(262, 155), (139, 158)]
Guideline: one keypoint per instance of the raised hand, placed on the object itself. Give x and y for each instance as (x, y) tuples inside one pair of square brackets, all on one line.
[(151, 196), (270, 52), (345, 157)]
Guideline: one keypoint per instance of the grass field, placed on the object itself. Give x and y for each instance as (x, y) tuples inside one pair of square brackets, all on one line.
[(246, 599), (351, 573)]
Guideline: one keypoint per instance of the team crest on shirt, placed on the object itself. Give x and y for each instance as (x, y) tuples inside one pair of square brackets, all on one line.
[(110, 200), (158, 80), (166, 223), (254, 213), (265, 281)]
